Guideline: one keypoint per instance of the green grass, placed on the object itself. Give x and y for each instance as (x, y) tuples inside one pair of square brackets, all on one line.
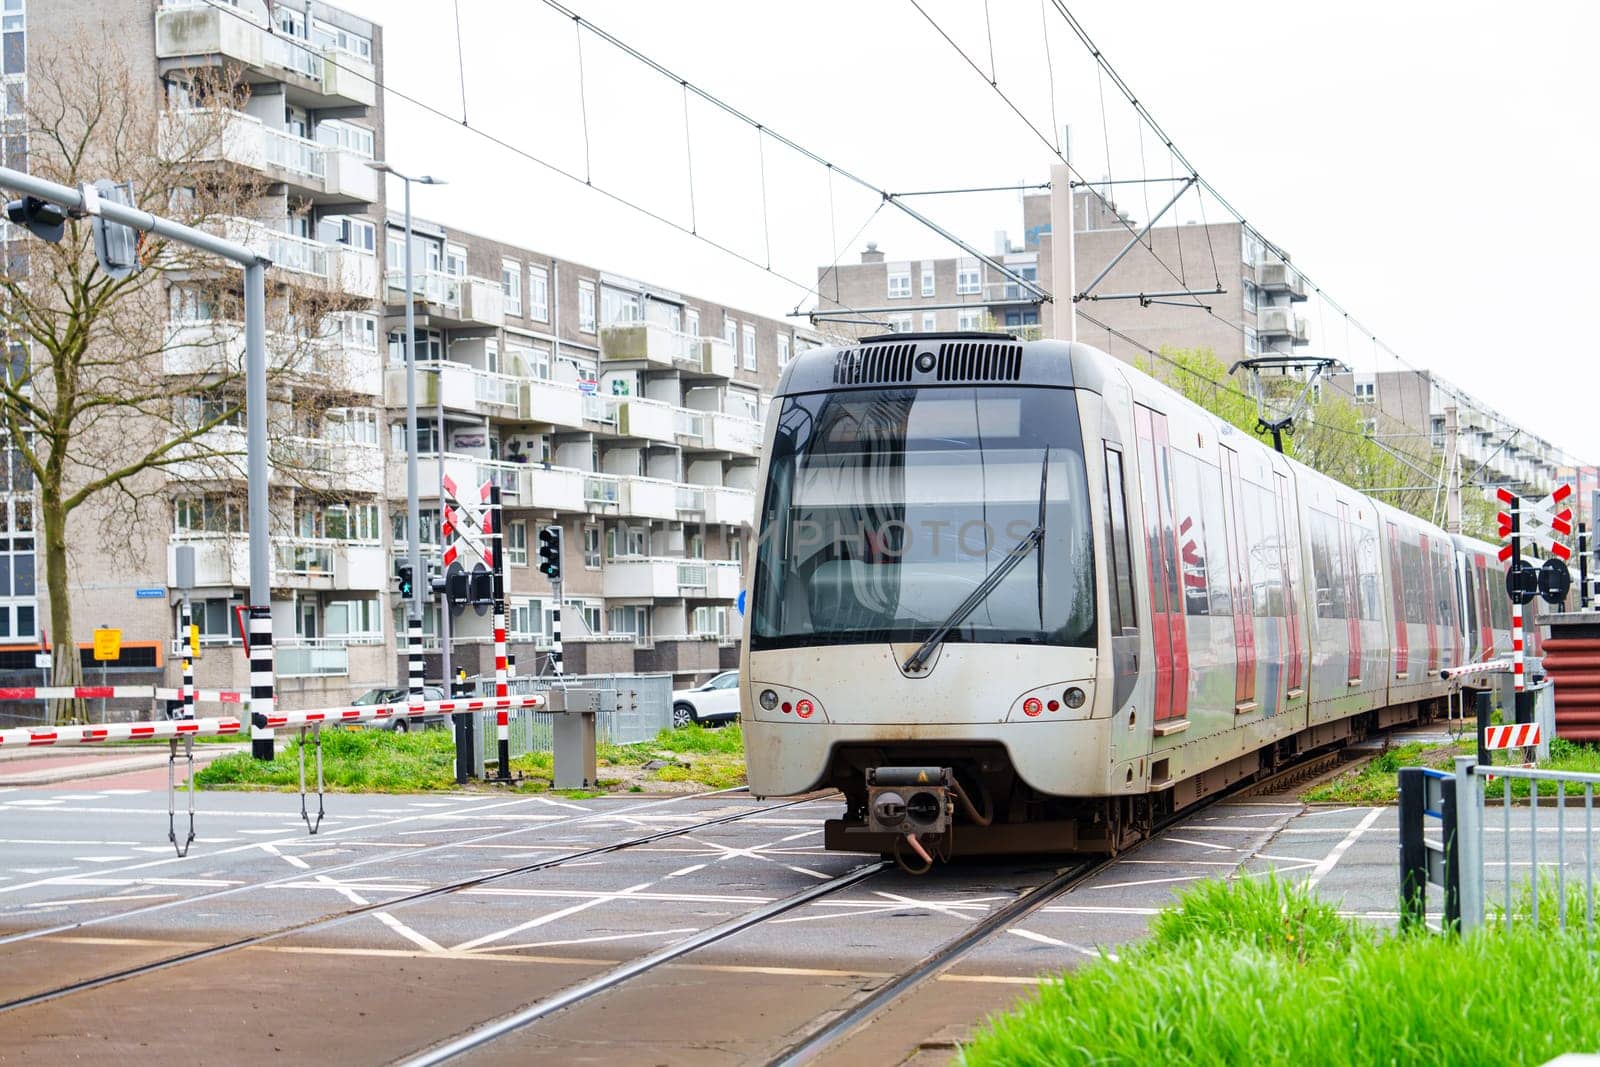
[(1377, 782), (694, 754), (372, 761), (1262, 973)]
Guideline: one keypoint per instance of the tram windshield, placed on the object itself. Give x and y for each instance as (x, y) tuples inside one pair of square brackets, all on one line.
[(886, 508)]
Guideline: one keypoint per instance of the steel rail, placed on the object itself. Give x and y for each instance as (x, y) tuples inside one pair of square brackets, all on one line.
[(615, 977), (340, 917)]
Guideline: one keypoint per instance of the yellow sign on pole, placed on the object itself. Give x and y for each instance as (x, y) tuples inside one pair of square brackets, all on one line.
[(107, 643), (194, 642)]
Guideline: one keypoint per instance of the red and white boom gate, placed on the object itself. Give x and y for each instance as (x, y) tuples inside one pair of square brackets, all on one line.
[(186, 730)]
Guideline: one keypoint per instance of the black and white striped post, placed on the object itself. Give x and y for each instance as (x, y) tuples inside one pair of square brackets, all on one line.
[(555, 631), (492, 545), (186, 639), (261, 738), (414, 653)]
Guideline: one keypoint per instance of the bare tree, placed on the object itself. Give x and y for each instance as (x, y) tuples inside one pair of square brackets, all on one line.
[(114, 386)]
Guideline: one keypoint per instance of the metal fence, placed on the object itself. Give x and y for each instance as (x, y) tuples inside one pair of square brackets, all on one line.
[(1533, 862), (638, 719)]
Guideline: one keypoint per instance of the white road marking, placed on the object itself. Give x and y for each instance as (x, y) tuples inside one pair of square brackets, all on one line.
[(1342, 847), (546, 919), (406, 932), (38, 803), (66, 841), (37, 870), (294, 861), (123, 792), (1199, 844), (563, 804), (807, 870), (100, 859), (1146, 881), (80, 796), (1029, 935), (685, 870), (598, 940)]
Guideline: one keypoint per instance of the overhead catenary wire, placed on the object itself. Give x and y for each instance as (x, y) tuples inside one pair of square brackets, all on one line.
[(555, 168)]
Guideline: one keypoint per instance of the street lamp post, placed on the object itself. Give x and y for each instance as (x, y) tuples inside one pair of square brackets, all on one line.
[(413, 505)]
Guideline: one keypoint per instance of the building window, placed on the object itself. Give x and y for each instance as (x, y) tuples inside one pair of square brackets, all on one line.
[(783, 350), (969, 278), (538, 294), (591, 547), (1252, 343), (1250, 300), (1251, 251), (691, 322), (619, 305), (899, 323), (749, 346), (346, 136), (899, 280), (1366, 392), (633, 620), (736, 548), (511, 285), (730, 332), (708, 621), (969, 319), (517, 543), (586, 308), (930, 321), (927, 279), (1369, 427)]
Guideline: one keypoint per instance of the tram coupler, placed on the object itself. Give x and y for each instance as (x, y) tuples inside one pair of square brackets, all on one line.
[(909, 800)]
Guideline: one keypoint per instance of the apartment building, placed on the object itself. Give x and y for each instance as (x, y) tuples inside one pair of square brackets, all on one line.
[(1255, 313), (624, 411), (1494, 451)]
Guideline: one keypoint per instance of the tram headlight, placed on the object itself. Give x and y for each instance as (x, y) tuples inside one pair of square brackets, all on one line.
[(769, 699), (1074, 697)]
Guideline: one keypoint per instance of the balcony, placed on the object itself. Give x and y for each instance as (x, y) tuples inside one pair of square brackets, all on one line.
[(341, 267), (457, 381), (223, 560), (649, 420), (216, 347), (1281, 323), (1279, 277), (731, 433), (312, 170), (724, 579), (679, 654), (302, 657), (651, 498), (329, 465), (191, 28), (469, 473), (637, 577), (450, 299), (561, 488), (653, 344), (706, 357), (552, 403), (731, 507)]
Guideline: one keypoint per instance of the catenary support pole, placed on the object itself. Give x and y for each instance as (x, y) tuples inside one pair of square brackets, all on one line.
[(255, 402), (413, 506), (1063, 253)]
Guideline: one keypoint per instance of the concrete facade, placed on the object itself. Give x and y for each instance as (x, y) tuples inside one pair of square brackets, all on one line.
[(637, 432)]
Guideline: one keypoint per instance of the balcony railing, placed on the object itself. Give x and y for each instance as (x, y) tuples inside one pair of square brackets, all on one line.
[(603, 490), (500, 389), (436, 287), (689, 423), (311, 657), (296, 154), (691, 498), (602, 409), (691, 576), (302, 558)]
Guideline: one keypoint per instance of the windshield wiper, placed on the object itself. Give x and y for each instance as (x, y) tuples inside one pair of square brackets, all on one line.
[(1030, 542)]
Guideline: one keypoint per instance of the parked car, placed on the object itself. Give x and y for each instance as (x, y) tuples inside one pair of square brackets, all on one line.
[(717, 701), (395, 696)]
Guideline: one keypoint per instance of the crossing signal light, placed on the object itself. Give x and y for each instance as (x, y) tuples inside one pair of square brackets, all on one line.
[(482, 588), (550, 552), (39, 217), (402, 571), (456, 582)]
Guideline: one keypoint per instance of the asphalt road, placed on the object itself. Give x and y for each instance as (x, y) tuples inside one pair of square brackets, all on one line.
[(88, 886)]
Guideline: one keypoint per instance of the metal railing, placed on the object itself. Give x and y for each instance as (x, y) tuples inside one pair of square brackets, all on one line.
[(296, 154), (502, 389), (689, 423), (311, 658), (602, 489), (1559, 887), (639, 717)]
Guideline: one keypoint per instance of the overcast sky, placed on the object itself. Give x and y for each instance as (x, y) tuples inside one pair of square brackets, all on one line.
[(1430, 165)]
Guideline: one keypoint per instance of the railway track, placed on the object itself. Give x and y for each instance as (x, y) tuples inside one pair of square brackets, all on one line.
[(336, 918)]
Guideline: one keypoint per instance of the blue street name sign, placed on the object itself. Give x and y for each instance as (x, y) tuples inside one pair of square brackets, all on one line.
[(150, 594)]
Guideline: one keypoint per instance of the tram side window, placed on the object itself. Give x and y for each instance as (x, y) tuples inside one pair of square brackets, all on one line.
[(1327, 566), (1415, 589), (1194, 534), (1367, 575), (1441, 585), (1499, 603), (1265, 551), (1123, 619), (1469, 603)]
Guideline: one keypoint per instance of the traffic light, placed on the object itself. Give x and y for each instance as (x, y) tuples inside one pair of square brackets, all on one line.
[(550, 552), (39, 217), (482, 588), (402, 571), (456, 583)]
